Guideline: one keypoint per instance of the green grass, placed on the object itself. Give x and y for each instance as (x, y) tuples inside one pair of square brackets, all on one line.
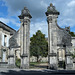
[(34, 64)]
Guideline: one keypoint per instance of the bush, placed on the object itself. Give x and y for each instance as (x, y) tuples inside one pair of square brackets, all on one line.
[(18, 62)]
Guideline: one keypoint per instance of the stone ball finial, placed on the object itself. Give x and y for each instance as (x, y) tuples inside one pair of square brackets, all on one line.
[(25, 8), (51, 4), (52, 10), (25, 12)]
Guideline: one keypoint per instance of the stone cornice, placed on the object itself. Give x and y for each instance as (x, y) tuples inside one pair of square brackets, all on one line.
[(10, 56), (24, 55), (52, 54)]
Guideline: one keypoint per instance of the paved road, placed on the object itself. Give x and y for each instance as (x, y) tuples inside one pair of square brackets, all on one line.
[(35, 72)]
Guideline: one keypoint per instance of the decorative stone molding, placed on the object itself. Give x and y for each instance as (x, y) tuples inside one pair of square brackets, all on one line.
[(10, 56), (52, 54), (24, 55)]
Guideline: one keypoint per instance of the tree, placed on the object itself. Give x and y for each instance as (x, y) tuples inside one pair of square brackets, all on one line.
[(38, 45), (72, 34)]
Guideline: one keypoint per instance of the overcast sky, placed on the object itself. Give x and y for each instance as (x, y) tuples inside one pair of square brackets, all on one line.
[(11, 9)]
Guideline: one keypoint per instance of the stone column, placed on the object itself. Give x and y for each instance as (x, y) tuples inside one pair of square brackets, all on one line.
[(52, 16), (25, 37)]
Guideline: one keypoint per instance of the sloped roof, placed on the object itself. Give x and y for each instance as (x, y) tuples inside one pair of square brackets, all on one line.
[(7, 28)]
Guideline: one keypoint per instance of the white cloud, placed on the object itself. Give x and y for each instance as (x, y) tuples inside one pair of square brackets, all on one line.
[(4, 20), (43, 4), (38, 8), (66, 22), (8, 20), (39, 26), (71, 3)]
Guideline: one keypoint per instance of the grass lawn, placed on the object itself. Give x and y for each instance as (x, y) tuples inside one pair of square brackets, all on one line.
[(35, 64)]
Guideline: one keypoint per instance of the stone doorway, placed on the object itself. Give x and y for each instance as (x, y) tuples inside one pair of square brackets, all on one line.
[(61, 58), (4, 56)]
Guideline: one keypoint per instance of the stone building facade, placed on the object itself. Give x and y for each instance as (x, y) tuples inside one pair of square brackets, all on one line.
[(15, 44), (6, 33)]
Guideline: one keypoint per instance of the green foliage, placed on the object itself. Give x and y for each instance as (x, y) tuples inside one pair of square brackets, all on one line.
[(38, 45), (18, 62), (72, 54), (72, 34), (61, 64)]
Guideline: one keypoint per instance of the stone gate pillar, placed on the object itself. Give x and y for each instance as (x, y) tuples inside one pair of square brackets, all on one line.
[(25, 37), (52, 15)]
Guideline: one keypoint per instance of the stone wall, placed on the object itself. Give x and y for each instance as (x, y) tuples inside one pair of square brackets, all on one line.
[(41, 59)]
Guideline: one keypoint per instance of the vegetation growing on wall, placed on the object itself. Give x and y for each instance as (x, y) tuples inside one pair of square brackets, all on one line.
[(18, 62), (72, 34)]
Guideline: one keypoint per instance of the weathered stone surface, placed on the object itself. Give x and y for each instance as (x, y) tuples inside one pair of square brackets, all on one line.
[(25, 37), (59, 41), (57, 37), (7, 28)]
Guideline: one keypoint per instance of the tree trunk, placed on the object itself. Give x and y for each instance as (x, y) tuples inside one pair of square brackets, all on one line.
[(37, 58)]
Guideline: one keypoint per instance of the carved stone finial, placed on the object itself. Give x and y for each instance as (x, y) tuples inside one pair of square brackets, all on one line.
[(51, 10), (24, 8), (25, 12), (51, 4)]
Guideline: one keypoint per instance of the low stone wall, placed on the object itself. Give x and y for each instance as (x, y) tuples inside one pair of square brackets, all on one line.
[(3, 64), (41, 59)]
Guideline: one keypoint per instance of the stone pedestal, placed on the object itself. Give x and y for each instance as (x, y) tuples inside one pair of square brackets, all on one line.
[(74, 64), (69, 63), (69, 59), (24, 62), (11, 58), (11, 61)]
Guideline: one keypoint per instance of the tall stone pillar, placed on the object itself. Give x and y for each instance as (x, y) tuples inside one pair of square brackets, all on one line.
[(0, 44), (25, 37), (52, 15)]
